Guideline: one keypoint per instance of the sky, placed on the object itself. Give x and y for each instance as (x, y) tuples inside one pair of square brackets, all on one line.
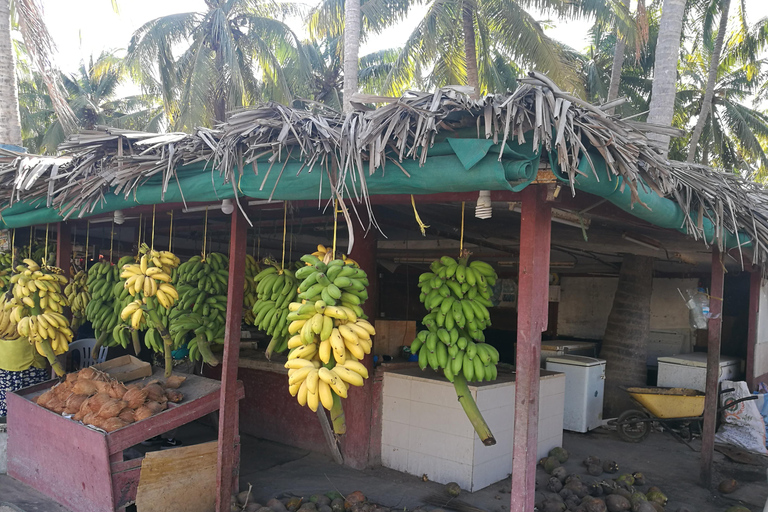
[(82, 28)]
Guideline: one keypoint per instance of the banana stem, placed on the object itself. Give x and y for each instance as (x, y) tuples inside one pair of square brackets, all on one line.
[(167, 341), (136, 342), (472, 411), (47, 349), (205, 350), (273, 345), (99, 342), (338, 419)]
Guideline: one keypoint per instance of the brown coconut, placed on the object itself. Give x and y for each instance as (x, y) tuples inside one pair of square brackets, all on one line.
[(155, 392), (135, 397), (46, 397), (74, 403), (102, 386), (97, 401), (174, 381), (174, 396), (71, 377), (91, 419), (62, 391), (117, 390), (84, 387), (86, 374), (112, 424), (127, 415), (112, 408), (156, 407), (56, 405), (143, 413)]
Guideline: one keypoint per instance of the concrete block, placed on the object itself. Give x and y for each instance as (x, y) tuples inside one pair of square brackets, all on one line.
[(491, 472), (396, 387), (441, 471), (394, 434), (394, 457), (449, 447)]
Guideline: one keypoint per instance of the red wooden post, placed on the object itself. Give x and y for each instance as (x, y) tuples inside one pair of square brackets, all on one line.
[(533, 290), (713, 367), (228, 413), (358, 406), (755, 281), (63, 247)]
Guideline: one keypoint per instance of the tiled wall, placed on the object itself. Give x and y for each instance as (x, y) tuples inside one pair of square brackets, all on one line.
[(425, 430)]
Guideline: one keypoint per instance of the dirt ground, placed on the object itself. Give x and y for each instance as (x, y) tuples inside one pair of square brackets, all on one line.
[(277, 470)]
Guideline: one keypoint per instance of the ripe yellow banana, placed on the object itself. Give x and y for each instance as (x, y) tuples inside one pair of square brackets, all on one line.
[(325, 394)]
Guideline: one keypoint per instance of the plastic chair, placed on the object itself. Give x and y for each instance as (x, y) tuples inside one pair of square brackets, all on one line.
[(84, 349)]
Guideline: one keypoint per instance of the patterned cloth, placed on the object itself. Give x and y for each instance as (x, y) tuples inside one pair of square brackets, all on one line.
[(12, 381)]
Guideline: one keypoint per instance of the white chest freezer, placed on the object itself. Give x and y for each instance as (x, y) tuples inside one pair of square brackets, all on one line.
[(561, 347), (584, 388), (690, 370)]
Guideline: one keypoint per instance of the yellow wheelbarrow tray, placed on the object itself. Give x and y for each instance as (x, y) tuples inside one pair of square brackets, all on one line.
[(669, 403)]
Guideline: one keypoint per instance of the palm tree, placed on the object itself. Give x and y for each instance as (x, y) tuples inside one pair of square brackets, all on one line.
[(662, 107), (91, 96), (714, 64), (352, 22), (731, 136), (216, 72)]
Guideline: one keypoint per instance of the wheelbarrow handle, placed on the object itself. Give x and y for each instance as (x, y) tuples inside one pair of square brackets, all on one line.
[(737, 401)]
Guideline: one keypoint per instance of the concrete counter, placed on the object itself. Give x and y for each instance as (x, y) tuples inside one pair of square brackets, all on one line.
[(425, 430)]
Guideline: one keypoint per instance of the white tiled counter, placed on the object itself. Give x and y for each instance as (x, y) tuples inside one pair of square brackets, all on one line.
[(425, 430)]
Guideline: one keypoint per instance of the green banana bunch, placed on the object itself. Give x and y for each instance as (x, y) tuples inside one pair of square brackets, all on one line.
[(102, 283), (6, 269), (201, 310), (457, 296), (78, 297), (275, 290), (250, 294)]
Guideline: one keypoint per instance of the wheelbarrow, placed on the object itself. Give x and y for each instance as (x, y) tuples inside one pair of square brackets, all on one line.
[(678, 409)]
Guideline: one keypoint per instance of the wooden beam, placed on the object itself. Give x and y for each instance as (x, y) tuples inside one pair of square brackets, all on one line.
[(713, 368), (226, 468), (533, 289), (755, 282), (63, 247)]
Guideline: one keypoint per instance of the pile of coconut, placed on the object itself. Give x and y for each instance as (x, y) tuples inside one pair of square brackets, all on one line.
[(94, 398)]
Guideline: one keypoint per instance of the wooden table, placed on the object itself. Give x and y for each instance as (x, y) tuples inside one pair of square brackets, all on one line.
[(82, 468)]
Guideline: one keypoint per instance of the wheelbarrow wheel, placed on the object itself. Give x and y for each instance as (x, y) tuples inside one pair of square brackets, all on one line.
[(632, 427)]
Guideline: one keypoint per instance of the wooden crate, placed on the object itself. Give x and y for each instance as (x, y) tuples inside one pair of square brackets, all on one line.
[(393, 334), (82, 468)]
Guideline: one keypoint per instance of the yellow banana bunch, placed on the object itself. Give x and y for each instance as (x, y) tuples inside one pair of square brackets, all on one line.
[(7, 323), (325, 255), (328, 337), (152, 276), (36, 310), (78, 297)]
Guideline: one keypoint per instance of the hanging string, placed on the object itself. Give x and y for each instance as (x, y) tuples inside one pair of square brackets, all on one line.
[(13, 248), (152, 244), (45, 250), (421, 224), (87, 242), (461, 236), (31, 237), (285, 218), (138, 238), (170, 233), (111, 239), (258, 247), (205, 232), (335, 226)]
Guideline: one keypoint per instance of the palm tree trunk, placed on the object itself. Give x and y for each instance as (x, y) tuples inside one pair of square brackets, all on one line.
[(10, 122), (351, 50), (618, 63), (625, 344), (220, 99), (470, 52), (662, 107), (709, 93)]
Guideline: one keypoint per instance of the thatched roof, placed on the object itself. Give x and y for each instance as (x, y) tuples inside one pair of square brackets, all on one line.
[(352, 149)]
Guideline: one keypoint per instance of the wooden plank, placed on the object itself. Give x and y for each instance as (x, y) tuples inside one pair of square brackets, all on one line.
[(393, 334), (713, 367), (125, 481), (63, 247), (178, 479), (228, 402), (533, 291), (755, 281)]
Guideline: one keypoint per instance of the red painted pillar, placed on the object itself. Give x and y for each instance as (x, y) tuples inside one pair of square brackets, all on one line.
[(63, 247), (755, 281), (713, 367), (358, 406), (227, 468), (533, 291)]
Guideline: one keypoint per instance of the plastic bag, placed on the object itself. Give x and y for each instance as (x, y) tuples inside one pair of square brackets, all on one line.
[(743, 425), (698, 306)]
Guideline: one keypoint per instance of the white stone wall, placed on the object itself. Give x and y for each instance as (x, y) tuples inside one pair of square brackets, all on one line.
[(760, 364)]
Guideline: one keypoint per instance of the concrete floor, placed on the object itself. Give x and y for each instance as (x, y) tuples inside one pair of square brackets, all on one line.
[(275, 470)]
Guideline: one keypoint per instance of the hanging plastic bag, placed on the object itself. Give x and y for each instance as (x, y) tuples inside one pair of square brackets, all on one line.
[(743, 425), (698, 306)]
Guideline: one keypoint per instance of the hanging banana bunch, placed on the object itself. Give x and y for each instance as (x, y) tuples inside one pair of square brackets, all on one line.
[(201, 310), (102, 283), (78, 297), (37, 308), (249, 293), (329, 334), (6, 269), (149, 283), (7, 323), (275, 289), (324, 254)]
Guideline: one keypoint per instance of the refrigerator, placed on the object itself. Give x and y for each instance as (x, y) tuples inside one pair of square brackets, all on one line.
[(561, 347), (690, 370), (584, 390)]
